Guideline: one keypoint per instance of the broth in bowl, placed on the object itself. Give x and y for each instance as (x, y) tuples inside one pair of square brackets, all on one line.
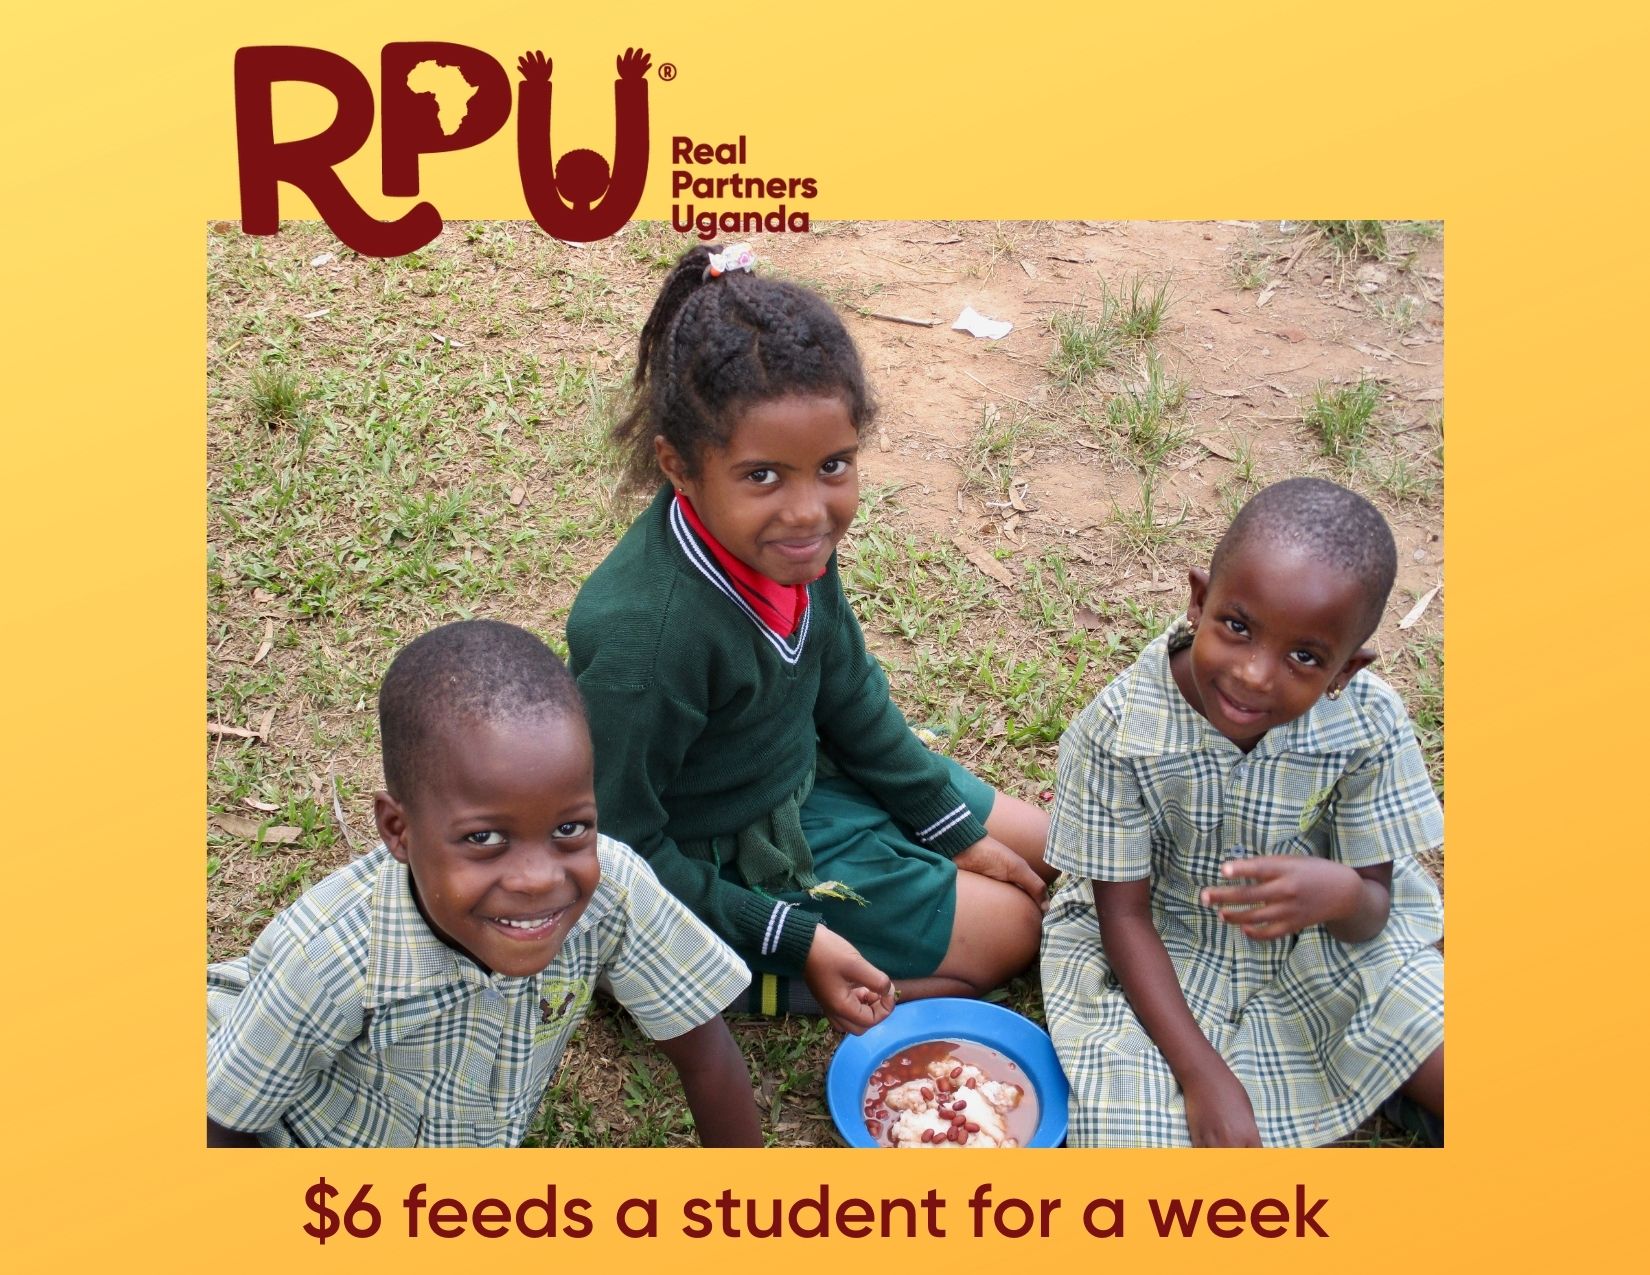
[(949, 1094)]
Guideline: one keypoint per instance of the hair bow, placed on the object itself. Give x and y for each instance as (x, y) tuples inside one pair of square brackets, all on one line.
[(734, 257)]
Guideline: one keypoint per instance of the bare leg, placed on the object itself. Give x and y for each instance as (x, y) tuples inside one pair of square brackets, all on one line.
[(1023, 828), (993, 937), (1426, 1086)]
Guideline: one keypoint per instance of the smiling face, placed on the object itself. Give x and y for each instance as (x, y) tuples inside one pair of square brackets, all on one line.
[(501, 838), (782, 492), (1275, 630)]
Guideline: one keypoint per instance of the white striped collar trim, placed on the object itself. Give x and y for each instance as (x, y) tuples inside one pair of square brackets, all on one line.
[(789, 650)]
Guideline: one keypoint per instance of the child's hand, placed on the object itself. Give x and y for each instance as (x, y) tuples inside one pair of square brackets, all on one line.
[(991, 858), (1290, 892), (633, 64), (1218, 1112), (853, 993)]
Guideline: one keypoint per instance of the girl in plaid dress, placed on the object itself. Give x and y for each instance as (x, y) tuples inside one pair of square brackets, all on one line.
[(1250, 957)]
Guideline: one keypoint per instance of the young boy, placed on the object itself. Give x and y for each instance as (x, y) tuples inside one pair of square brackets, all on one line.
[(422, 995)]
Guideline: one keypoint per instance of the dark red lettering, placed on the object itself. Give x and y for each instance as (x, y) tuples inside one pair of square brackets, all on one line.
[(1267, 1218), (412, 124), (581, 197), (491, 1218), (1305, 1217), (308, 162), (1175, 1216), (1225, 1218), (447, 1219), (1113, 1229)]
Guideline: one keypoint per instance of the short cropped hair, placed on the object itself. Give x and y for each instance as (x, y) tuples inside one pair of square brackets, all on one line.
[(1334, 525), (476, 670)]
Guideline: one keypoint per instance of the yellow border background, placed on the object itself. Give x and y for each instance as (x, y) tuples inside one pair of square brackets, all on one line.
[(1520, 126)]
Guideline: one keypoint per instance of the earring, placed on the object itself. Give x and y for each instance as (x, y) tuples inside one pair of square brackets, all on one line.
[(1334, 692), (1191, 628)]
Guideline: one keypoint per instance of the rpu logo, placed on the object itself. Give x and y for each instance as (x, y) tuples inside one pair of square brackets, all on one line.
[(436, 97)]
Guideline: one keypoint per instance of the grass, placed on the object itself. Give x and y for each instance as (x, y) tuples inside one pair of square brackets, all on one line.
[(1250, 269), (1354, 238), (1140, 307), (1145, 529), (393, 444), (1402, 314), (274, 397), (1088, 343), (1147, 417), (1403, 478), (1084, 346), (1424, 662), (1339, 417), (994, 452)]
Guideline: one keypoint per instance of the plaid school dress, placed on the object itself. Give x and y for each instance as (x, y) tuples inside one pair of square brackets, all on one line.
[(1319, 1031)]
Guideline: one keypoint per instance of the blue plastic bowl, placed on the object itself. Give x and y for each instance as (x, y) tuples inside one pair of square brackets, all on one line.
[(946, 1018)]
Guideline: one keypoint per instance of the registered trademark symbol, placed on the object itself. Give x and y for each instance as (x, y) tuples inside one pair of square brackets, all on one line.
[(667, 70)]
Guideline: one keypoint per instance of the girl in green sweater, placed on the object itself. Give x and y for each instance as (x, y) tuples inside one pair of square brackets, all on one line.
[(745, 740)]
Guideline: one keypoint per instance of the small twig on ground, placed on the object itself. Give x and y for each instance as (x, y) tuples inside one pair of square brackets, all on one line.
[(1296, 255), (900, 318), (1003, 393), (338, 808)]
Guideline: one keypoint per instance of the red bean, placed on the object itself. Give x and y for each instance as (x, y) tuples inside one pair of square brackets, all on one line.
[(958, 1105), (927, 1094), (971, 1082), (927, 1135), (972, 1126), (955, 1072)]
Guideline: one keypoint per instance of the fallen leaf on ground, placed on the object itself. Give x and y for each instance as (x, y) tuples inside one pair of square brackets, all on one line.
[(275, 834), (517, 495), (1293, 334), (1416, 611), (263, 726), (268, 807), (981, 558), (268, 642), (1266, 294), (225, 731), (1089, 619), (1219, 449)]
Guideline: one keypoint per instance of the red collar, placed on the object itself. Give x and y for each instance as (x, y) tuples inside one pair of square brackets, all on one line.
[(779, 606)]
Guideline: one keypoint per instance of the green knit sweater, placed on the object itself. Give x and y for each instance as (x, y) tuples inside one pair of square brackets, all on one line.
[(704, 722)]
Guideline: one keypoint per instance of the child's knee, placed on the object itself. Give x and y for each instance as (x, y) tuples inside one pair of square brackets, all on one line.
[(1000, 923)]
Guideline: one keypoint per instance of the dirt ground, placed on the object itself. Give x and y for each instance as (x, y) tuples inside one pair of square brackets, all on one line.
[(1250, 367)]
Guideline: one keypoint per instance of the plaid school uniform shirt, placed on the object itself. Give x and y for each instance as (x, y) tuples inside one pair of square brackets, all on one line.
[(1318, 1031), (349, 1023)]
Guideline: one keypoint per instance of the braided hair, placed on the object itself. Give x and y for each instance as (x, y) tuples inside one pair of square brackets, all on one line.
[(715, 346)]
